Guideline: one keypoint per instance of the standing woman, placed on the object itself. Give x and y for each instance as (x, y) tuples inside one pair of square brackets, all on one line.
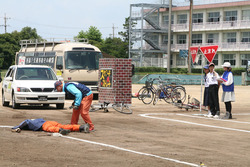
[(206, 95), (212, 77), (228, 95)]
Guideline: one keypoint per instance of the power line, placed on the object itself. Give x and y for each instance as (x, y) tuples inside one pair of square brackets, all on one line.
[(5, 23), (53, 26)]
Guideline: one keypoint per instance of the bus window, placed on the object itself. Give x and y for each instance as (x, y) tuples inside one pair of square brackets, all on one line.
[(59, 62), (39, 54), (50, 53), (29, 54), (82, 60)]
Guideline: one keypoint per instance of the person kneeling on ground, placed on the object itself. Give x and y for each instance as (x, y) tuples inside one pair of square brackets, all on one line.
[(49, 126)]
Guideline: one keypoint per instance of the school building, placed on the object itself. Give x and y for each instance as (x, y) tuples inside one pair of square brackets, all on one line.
[(224, 24)]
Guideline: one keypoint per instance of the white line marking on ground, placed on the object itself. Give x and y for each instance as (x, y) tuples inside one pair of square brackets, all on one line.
[(3, 126), (122, 149), (226, 120), (131, 151), (192, 123)]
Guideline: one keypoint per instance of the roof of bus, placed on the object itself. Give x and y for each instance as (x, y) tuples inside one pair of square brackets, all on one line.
[(70, 45), (30, 66), (65, 46)]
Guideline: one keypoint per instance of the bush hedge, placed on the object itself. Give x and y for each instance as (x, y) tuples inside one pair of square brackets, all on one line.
[(236, 71)]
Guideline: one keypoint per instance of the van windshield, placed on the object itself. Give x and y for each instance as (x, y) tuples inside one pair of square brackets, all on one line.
[(88, 60), (35, 74)]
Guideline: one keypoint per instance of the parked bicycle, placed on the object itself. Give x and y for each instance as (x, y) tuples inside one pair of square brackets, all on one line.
[(147, 92), (170, 93)]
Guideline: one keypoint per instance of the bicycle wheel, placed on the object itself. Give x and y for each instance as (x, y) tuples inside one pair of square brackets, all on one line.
[(157, 96), (167, 95), (140, 93), (147, 96), (178, 95), (122, 108)]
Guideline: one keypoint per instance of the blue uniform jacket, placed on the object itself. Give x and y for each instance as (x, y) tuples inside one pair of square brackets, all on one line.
[(78, 90), (33, 124), (229, 88)]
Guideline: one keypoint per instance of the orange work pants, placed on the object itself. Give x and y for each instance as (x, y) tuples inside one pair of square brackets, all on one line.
[(53, 126), (84, 111)]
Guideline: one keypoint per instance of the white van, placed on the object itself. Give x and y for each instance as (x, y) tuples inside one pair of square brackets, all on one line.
[(31, 84)]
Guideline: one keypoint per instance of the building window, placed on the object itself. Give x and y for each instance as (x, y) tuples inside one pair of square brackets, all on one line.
[(154, 38), (230, 37), (198, 18), (181, 39), (230, 15), (165, 19), (246, 15), (196, 38), (245, 37), (229, 58), (214, 17), (171, 59), (212, 38), (182, 19), (180, 61), (165, 39), (244, 59)]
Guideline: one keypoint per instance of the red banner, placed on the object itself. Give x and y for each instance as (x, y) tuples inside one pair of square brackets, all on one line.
[(194, 51), (209, 52)]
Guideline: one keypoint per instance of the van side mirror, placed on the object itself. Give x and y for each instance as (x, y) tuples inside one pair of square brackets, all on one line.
[(59, 67), (60, 78)]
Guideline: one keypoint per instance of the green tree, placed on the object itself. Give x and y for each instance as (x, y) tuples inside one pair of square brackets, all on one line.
[(125, 34), (8, 48), (9, 45), (93, 35), (29, 33), (115, 47)]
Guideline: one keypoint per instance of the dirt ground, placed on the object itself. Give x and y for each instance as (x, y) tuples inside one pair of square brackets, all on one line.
[(166, 136)]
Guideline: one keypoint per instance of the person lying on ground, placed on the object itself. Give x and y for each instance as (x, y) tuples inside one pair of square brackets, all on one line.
[(49, 126)]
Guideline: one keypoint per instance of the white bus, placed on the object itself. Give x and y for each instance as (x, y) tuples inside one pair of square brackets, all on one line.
[(73, 61)]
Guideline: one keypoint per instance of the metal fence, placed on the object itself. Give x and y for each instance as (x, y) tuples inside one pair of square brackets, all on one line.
[(150, 62)]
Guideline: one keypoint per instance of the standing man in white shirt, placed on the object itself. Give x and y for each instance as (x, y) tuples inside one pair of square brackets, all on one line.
[(213, 92)]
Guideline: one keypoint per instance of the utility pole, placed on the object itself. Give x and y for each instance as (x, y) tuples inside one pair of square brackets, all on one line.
[(169, 35), (114, 31), (5, 23), (190, 35)]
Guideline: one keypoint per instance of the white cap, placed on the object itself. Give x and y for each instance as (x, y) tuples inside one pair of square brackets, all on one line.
[(226, 64)]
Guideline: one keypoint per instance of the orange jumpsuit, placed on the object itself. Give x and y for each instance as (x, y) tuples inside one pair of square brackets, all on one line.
[(53, 126), (84, 111)]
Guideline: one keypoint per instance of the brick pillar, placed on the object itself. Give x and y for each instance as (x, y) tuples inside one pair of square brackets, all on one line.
[(115, 80)]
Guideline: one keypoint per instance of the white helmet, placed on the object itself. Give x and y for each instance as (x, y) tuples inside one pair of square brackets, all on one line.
[(226, 64)]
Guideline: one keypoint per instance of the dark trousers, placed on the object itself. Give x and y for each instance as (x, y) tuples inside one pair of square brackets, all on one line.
[(228, 106), (214, 99)]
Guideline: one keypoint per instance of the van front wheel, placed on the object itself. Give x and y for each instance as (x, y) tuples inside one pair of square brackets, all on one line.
[(60, 106)]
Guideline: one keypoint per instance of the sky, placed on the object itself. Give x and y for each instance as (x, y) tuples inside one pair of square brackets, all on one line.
[(66, 18)]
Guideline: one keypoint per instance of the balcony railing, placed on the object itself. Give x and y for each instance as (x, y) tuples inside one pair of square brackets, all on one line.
[(206, 26), (223, 46)]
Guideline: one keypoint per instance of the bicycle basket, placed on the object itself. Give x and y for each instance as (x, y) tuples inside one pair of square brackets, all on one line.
[(195, 102), (148, 84)]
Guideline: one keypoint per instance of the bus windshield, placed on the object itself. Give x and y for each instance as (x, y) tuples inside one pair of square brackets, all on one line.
[(88, 60)]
